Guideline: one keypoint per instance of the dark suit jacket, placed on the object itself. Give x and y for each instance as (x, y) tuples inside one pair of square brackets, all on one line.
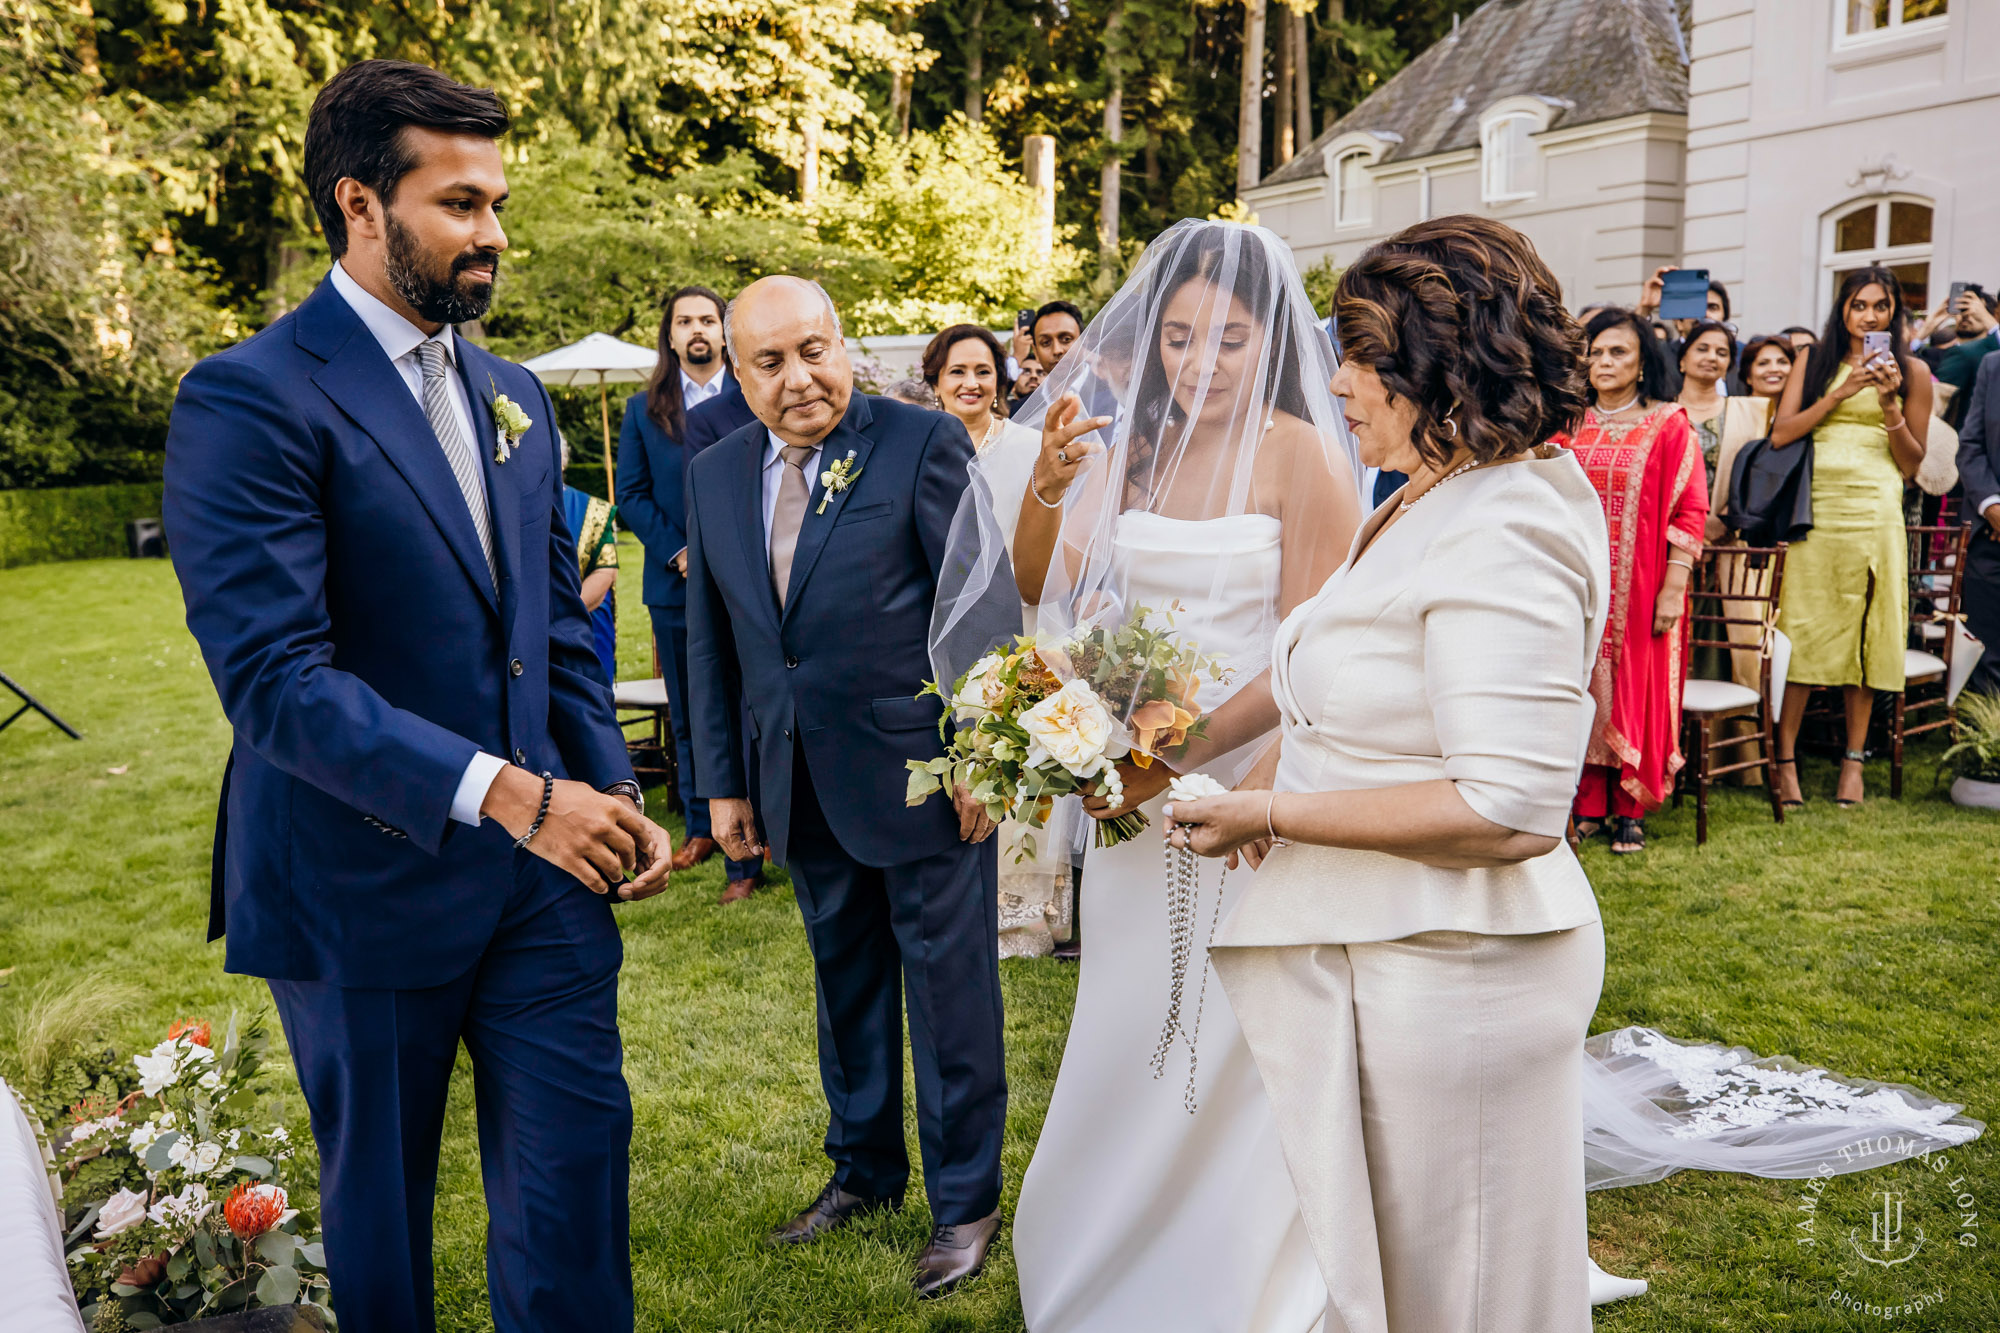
[(652, 494), (835, 674), (1979, 438), (721, 415), (335, 583)]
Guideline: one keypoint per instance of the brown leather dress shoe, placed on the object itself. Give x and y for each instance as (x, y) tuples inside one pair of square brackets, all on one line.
[(955, 1256), (738, 889), (693, 852), (832, 1210)]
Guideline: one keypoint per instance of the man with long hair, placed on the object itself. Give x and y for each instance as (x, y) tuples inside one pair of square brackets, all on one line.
[(653, 450)]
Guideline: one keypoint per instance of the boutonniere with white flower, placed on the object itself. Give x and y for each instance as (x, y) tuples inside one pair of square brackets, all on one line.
[(513, 423), (837, 478)]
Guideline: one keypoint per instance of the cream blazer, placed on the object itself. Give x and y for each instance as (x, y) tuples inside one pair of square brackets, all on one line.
[(1457, 646)]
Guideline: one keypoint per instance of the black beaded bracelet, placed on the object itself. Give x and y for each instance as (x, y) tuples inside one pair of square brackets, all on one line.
[(548, 790)]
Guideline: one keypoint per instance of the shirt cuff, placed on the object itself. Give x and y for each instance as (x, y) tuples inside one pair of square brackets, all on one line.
[(473, 786), (1986, 504)]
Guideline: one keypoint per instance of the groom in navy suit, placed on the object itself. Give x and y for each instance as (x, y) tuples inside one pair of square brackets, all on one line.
[(812, 599), (427, 810)]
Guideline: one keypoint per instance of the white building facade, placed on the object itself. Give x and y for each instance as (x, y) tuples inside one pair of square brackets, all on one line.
[(1827, 134), (1776, 143)]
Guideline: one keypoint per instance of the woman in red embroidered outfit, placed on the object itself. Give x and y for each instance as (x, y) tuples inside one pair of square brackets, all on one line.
[(1644, 457)]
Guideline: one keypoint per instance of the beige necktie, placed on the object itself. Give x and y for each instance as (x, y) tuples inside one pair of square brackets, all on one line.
[(790, 515)]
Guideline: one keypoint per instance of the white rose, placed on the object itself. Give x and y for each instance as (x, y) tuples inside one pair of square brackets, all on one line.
[(211, 1080), (278, 1134), (1193, 787), (158, 1071), (126, 1208), (143, 1137), (983, 689), (181, 1154), (1071, 727), (186, 1208), (206, 1158)]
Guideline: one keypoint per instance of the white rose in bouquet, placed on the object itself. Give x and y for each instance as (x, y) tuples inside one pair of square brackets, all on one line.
[(186, 1208), (1071, 727), (1193, 787), (983, 689), (122, 1211), (159, 1070)]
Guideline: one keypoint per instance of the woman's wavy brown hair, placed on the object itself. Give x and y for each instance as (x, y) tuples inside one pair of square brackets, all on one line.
[(1461, 316)]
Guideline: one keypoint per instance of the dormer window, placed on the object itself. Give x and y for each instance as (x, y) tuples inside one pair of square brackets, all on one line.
[(1351, 188), (1507, 157)]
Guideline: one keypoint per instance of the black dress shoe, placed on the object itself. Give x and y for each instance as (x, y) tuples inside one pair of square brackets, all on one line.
[(956, 1255), (833, 1209)]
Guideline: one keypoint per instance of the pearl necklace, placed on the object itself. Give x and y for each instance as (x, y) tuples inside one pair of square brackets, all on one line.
[(1625, 406), (992, 430), (1404, 506)]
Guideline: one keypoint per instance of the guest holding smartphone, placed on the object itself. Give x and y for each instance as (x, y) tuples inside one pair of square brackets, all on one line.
[(1865, 403)]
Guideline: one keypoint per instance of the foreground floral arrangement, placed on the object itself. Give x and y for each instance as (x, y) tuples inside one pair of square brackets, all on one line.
[(172, 1191), (1055, 717)]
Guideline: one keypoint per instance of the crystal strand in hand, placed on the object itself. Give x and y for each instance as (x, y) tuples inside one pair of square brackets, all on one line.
[(1201, 994), (1179, 933)]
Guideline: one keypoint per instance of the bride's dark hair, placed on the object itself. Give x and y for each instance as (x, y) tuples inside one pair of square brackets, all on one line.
[(1207, 258), (1460, 316)]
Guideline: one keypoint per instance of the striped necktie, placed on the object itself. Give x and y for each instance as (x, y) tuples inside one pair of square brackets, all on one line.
[(457, 449)]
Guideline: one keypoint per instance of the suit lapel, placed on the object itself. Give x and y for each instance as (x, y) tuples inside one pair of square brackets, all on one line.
[(848, 442), (480, 371), (750, 517), (362, 383)]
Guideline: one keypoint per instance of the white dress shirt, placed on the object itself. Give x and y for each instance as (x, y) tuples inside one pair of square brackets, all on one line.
[(400, 339), (774, 472), (693, 395)]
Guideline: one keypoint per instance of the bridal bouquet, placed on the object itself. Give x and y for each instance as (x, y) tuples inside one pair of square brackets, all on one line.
[(1055, 716), (172, 1184)]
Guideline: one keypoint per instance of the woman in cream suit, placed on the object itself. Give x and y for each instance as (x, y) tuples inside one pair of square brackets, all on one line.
[(1416, 963)]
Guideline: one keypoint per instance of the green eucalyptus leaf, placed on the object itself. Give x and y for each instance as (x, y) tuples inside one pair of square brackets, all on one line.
[(278, 1286), (313, 1253), (277, 1247), (204, 1249), (142, 1319), (156, 1154), (257, 1166)]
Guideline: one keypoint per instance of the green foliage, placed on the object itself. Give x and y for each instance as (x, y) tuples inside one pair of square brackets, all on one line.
[(1322, 281), (78, 523), (1976, 754), (951, 228)]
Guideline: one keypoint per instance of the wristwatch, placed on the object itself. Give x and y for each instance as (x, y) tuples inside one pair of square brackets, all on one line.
[(628, 788)]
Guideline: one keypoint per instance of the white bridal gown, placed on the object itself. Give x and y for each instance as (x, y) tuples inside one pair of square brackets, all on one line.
[(1135, 1214)]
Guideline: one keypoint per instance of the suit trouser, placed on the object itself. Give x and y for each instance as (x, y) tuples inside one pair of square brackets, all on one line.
[(931, 924), (1428, 1095), (1981, 601), (671, 634), (538, 1014)]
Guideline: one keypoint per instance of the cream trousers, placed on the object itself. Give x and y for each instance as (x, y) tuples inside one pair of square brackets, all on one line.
[(1428, 1097)]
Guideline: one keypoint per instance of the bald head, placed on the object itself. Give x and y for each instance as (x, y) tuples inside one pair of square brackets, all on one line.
[(785, 337)]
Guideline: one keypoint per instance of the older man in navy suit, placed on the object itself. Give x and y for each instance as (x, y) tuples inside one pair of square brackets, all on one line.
[(812, 599), (427, 810)]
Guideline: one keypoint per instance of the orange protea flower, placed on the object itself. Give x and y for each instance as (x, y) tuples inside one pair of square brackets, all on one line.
[(251, 1210), (197, 1032)]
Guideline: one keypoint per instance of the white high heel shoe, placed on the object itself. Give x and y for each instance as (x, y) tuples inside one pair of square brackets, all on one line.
[(1604, 1288)]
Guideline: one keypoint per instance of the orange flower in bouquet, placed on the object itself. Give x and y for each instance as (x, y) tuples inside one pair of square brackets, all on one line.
[(253, 1209), (198, 1033)]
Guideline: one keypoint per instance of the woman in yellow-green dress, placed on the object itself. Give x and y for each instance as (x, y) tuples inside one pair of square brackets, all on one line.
[(1846, 599)]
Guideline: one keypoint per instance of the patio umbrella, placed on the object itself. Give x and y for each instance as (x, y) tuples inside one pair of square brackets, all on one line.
[(598, 359)]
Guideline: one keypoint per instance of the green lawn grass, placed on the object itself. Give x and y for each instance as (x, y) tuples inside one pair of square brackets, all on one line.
[(1865, 941)]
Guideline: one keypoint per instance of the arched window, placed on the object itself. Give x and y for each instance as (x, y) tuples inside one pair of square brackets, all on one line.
[(1893, 231), (1507, 155), (1863, 18), (1352, 190)]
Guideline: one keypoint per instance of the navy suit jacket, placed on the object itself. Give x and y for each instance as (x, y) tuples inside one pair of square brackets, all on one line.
[(335, 582), (835, 674), (724, 414), (652, 493), (1979, 438)]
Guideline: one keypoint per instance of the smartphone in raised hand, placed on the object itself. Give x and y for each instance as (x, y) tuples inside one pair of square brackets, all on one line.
[(1684, 294), (1875, 347)]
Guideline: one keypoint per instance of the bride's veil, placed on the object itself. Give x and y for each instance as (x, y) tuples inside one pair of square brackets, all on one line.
[(1213, 368)]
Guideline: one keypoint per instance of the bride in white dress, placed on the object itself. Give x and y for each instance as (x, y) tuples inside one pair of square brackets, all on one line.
[(1221, 492)]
